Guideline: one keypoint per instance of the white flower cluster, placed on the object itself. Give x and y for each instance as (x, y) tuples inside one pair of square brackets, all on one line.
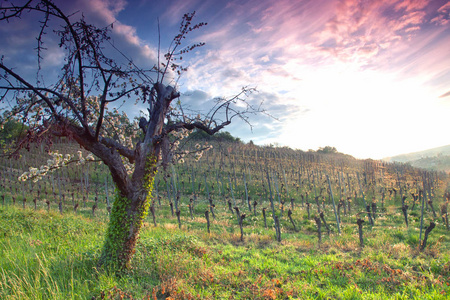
[(129, 167), (24, 112), (82, 160), (57, 161), (93, 102), (181, 134), (117, 125), (180, 156), (199, 153)]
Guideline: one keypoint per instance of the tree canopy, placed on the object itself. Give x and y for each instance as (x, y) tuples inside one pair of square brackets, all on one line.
[(327, 150), (223, 136), (11, 131)]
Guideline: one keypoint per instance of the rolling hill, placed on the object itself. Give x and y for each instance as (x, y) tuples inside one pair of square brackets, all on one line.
[(435, 159)]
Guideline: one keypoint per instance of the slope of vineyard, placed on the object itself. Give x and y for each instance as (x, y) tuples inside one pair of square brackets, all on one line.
[(241, 222)]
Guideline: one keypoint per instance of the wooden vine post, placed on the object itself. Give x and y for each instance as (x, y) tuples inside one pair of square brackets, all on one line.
[(290, 218), (360, 231), (207, 220), (427, 232), (319, 229), (334, 205)]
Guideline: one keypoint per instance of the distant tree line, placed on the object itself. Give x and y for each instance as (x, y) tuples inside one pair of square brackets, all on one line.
[(224, 136), (11, 131), (327, 150)]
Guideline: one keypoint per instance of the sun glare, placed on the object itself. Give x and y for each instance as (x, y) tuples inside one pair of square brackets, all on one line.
[(367, 113)]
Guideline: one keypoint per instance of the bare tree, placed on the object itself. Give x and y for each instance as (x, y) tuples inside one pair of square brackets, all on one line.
[(75, 105)]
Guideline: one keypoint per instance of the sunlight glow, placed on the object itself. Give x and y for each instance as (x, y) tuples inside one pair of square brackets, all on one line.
[(367, 113)]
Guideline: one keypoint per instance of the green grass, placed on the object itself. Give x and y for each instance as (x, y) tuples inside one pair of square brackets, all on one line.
[(47, 256), (44, 255)]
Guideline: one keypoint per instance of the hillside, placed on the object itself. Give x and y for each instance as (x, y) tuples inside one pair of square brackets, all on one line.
[(437, 159), (242, 222)]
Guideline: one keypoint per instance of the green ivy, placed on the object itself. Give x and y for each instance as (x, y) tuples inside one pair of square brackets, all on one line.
[(116, 233), (114, 254), (149, 180)]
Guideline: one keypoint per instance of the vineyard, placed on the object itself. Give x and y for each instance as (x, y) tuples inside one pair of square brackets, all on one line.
[(95, 205), (238, 222)]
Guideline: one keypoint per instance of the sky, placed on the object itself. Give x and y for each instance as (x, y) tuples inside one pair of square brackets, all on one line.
[(371, 78)]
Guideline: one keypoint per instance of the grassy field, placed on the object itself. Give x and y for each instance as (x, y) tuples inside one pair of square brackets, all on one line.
[(50, 251), (46, 255)]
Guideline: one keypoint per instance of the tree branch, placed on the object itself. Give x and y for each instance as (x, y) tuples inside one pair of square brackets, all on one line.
[(124, 151), (79, 59), (16, 9), (190, 126), (102, 107), (29, 87)]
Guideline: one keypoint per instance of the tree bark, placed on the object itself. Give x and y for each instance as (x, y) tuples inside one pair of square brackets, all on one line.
[(133, 198)]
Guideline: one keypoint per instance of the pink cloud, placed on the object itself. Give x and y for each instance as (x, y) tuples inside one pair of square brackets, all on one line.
[(440, 20), (104, 9), (410, 5), (261, 38), (444, 8), (411, 29), (360, 29), (443, 17)]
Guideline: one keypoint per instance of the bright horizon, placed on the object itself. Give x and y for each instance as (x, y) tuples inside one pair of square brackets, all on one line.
[(371, 78)]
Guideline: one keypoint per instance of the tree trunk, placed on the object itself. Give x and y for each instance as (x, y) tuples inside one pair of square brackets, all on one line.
[(133, 198), (127, 216)]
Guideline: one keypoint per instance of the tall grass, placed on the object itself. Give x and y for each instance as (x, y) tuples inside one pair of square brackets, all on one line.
[(44, 255), (47, 256)]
